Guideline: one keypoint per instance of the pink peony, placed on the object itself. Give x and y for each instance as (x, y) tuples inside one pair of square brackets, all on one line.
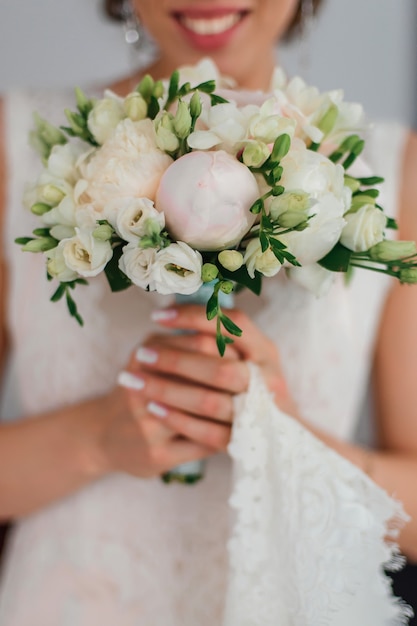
[(206, 197)]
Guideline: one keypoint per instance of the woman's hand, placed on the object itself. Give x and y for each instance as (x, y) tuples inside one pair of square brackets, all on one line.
[(180, 391)]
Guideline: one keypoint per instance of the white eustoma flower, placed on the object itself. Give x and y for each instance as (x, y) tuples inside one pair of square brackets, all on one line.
[(323, 181), (129, 165), (85, 255), (264, 262), (313, 277), (206, 199), (363, 229), (177, 269), (137, 264), (134, 218), (105, 116), (56, 265)]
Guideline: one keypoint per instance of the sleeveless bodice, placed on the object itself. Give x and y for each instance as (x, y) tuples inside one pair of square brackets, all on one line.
[(157, 553)]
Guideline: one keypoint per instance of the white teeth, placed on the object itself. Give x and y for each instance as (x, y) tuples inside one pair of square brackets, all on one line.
[(213, 26)]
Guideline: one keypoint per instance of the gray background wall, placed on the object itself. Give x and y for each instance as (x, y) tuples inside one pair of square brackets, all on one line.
[(366, 46)]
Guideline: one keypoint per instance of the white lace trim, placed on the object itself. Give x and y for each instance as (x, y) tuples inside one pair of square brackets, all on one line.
[(307, 547)]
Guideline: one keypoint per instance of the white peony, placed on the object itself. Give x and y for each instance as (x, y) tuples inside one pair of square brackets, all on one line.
[(137, 264), (134, 218), (105, 116), (264, 262), (363, 229), (206, 197), (128, 165), (85, 255), (177, 269)]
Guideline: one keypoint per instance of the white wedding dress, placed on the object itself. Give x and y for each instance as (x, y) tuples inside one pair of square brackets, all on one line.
[(128, 552)]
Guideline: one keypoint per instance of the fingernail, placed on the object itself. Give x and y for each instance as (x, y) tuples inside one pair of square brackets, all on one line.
[(145, 355), (164, 315), (129, 381), (157, 410)]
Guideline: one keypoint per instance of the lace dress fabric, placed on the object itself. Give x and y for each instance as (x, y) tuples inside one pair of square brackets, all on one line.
[(127, 551)]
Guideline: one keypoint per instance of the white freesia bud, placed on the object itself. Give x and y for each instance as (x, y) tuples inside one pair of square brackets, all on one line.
[(51, 194), (264, 262), (255, 154), (206, 197), (386, 251), (135, 107), (103, 232), (104, 117), (137, 264), (85, 255), (363, 229), (177, 269), (182, 120), (166, 138), (136, 218), (232, 260), (61, 231), (56, 266), (129, 165), (313, 277)]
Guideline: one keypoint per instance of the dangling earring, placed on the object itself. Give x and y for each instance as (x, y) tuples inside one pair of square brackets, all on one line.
[(132, 27), (306, 29)]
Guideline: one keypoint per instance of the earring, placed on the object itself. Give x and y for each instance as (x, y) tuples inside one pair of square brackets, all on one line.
[(132, 27), (306, 29)]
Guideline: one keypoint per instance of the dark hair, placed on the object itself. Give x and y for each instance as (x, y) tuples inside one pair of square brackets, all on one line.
[(114, 9)]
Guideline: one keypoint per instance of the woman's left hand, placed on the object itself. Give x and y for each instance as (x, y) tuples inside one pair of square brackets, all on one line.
[(185, 377)]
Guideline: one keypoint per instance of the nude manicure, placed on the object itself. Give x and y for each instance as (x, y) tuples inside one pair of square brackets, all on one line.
[(145, 355), (129, 381), (164, 315), (157, 410)]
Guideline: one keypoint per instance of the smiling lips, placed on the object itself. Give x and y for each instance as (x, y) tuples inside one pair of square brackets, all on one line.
[(210, 29)]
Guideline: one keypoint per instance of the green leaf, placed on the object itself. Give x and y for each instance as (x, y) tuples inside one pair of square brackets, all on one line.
[(72, 308), (207, 87), (212, 307), (117, 280), (57, 295), (230, 326), (337, 260), (264, 242), (392, 224), (215, 99), (153, 108), (221, 343), (241, 277)]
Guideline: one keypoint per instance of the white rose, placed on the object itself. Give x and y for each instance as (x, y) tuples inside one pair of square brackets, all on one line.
[(57, 267), (264, 262), (363, 229), (104, 117), (316, 175), (85, 255), (137, 264), (135, 218), (313, 277), (128, 165), (177, 269)]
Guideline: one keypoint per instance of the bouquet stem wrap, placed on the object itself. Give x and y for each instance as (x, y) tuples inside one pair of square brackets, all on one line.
[(192, 472)]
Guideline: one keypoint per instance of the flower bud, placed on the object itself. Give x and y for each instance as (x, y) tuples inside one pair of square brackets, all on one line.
[(146, 86), (327, 122), (82, 101), (231, 260), (255, 154), (42, 244), (195, 105), (48, 132), (209, 272), (352, 183), (298, 201), (409, 275), (40, 208), (166, 139), (158, 90), (182, 121), (74, 122), (291, 219), (387, 251), (135, 107), (226, 286), (103, 232), (51, 194)]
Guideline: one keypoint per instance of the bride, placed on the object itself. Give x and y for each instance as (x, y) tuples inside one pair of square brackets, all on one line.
[(98, 538)]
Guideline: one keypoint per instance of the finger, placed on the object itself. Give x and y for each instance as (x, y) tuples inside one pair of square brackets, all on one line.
[(178, 452), (194, 399), (192, 342), (228, 375), (210, 434), (252, 345)]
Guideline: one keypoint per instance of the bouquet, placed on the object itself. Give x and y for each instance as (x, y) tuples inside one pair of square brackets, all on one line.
[(186, 182)]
